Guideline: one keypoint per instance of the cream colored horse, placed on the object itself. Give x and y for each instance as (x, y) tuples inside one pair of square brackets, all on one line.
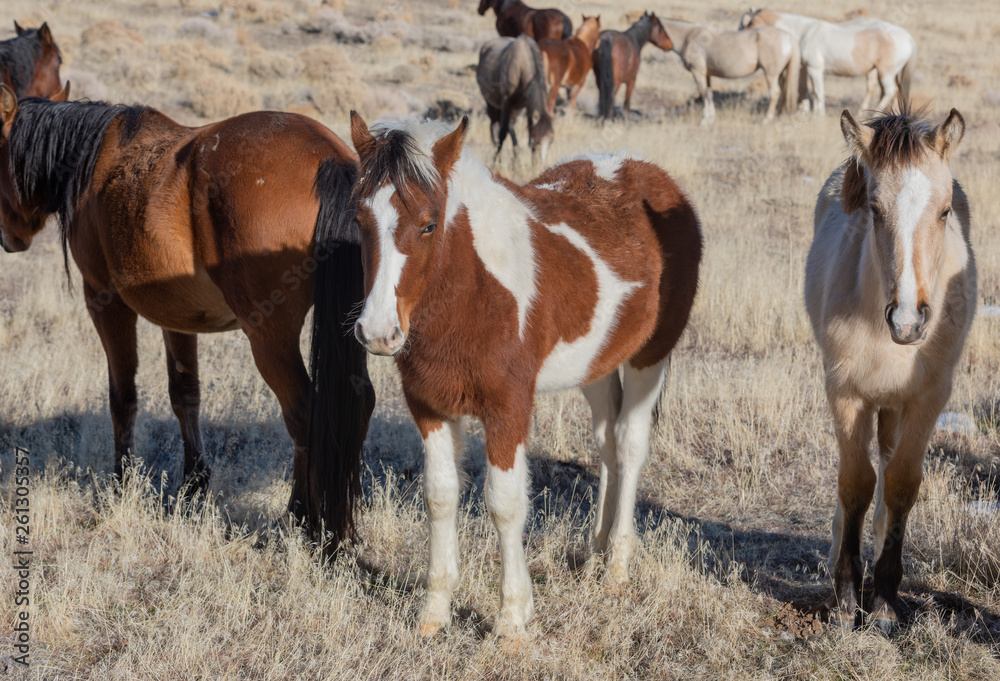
[(891, 292), (856, 47), (709, 54)]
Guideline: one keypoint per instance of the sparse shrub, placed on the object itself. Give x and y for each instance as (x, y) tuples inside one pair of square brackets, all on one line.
[(268, 65), (260, 11), (106, 40), (199, 27), (86, 85), (404, 73), (216, 95), (325, 63), (388, 44), (192, 59)]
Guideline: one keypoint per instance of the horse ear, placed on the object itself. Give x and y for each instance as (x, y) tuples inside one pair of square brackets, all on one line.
[(18, 28), (364, 141), (949, 135), (854, 188), (858, 136), (447, 150), (8, 105), (62, 95), (45, 34)]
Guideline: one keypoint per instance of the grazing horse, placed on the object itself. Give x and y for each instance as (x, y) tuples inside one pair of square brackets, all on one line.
[(227, 226), (891, 291), (515, 18), (487, 292), (851, 48), (708, 54), (29, 63), (616, 60), (567, 62), (511, 76)]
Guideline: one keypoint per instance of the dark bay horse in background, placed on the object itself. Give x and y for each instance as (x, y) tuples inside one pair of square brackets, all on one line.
[(29, 63), (567, 62), (511, 76), (515, 18), (233, 225), (616, 60), (487, 292), (891, 293)]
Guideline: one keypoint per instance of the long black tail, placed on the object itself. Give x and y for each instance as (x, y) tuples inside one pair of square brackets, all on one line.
[(567, 27), (605, 72), (342, 397)]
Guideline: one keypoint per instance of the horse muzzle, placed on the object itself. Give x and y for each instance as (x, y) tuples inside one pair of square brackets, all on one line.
[(13, 244), (387, 343), (908, 327)]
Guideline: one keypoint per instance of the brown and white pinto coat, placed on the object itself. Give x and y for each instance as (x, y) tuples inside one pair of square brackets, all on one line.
[(891, 292), (486, 292)]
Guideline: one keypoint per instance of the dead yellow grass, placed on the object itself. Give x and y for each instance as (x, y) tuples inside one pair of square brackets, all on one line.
[(735, 502)]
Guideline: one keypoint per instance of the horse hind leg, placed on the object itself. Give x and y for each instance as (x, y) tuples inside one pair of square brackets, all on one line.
[(889, 90), (640, 393), (774, 88), (871, 83), (855, 487), (185, 399), (605, 398), (115, 323), (443, 448)]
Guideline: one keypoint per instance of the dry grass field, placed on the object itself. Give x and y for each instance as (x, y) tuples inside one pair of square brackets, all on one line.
[(735, 501)]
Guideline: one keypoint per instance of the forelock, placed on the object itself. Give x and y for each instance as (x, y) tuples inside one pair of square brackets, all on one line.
[(899, 138), (402, 155)]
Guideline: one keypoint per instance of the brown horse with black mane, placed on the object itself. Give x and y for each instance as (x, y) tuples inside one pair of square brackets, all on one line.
[(567, 62), (29, 64), (233, 225), (616, 60), (515, 18)]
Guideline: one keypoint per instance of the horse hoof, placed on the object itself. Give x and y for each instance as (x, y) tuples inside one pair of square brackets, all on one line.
[(842, 619), (197, 480), (511, 630), (429, 629), (885, 617)]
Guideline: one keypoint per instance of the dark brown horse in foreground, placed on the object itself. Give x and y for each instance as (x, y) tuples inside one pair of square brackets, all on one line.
[(567, 62), (616, 60), (515, 18), (29, 64), (228, 226)]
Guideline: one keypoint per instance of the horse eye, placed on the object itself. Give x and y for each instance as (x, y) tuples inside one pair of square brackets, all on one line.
[(946, 213), (874, 209), (357, 225), (430, 227)]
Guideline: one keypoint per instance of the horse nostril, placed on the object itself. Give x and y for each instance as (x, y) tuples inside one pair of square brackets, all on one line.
[(889, 309), (397, 336), (925, 313), (359, 333)]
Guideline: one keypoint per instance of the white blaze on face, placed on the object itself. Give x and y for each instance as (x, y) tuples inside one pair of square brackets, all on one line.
[(910, 205), (380, 317)]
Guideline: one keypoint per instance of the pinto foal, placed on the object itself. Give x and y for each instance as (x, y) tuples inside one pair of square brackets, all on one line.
[(486, 292), (891, 292)]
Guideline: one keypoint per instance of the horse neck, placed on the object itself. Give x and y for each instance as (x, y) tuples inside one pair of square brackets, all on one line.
[(511, 7), (796, 24), (678, 31), (639, 31), (18, 57), (587, 34)]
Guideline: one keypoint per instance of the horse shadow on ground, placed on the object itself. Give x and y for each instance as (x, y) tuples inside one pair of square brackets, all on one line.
[(782, 566)]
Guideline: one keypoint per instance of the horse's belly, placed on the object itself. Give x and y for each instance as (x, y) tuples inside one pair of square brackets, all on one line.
[(190, 304)]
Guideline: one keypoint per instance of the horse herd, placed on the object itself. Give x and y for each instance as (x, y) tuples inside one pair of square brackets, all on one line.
[(536, 53), (484, 292)]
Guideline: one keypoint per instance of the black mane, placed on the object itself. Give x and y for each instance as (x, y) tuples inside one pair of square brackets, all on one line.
[(53, 147), (18, 56)]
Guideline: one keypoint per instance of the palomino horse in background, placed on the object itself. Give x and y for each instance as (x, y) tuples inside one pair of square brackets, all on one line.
[(567, 62), (227, 226), (616, 60), (734, 54), (851, 48), (29, 64), (515, 18), (891, 291), (487, 292), (511, 76)]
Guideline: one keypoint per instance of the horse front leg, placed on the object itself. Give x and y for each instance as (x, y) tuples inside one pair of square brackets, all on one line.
[(115, 324), (185, 399), (507, 503), (815, 73), (707, 103), (889, 90), (900, 483), (774, 88), (574, 92), (871, 82), (443, 448), (855, 487)]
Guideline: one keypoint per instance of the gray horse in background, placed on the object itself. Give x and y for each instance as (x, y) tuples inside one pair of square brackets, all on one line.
[(511, 76)]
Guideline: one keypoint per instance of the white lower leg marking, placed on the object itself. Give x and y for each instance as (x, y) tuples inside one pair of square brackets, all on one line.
[(605, 397), (641, 390), (507, 501), (442, 451)]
